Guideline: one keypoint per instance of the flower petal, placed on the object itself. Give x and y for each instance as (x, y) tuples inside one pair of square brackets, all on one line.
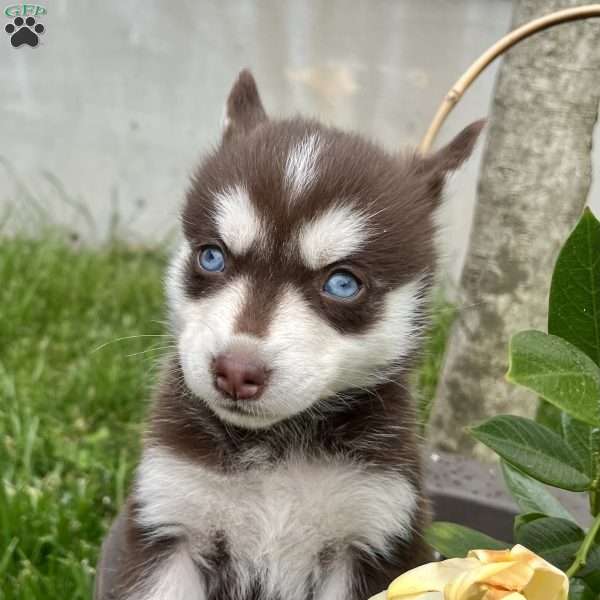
[(548, 582), (506, 576), (380, 596), (547, 585), (432, 577), (516, 574), (424, 596), (490, 556)]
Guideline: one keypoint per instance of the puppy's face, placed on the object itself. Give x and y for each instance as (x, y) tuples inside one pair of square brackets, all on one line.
[(308, 254)]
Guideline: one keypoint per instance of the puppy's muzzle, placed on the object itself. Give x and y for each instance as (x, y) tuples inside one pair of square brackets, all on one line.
[(239, 375)]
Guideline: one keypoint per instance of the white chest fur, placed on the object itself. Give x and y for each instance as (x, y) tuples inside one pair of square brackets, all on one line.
[(276, 520)]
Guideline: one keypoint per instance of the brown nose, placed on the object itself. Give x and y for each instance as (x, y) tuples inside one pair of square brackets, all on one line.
[(240, 376)]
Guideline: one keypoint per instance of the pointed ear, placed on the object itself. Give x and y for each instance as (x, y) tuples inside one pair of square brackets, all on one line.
[(436, 166), (244, 110), (451, 156)]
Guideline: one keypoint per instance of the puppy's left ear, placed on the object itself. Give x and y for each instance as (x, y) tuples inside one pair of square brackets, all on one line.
[(450, 157), (244, 109)]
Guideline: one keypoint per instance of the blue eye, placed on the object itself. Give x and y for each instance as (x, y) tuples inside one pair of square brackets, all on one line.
[(342, 284), (211, 259)]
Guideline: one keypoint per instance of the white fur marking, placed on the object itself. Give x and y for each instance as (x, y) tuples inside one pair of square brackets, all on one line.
[(174, 284), (301, 165), (337, 233), (316, 361), (175, 579), (277, 519), (237, 221), (206, 331), (310, 360), (336, 586)]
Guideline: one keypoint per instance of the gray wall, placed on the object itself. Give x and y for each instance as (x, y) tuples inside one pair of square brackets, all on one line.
[(113, 109)]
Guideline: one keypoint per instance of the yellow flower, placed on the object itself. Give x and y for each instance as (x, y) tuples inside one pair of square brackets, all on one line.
[(515, 574)]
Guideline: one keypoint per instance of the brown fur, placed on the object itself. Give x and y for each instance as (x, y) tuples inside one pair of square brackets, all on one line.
[(374, 427)]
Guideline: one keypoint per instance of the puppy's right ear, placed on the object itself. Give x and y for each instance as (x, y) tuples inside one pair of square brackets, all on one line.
[(244, 110)]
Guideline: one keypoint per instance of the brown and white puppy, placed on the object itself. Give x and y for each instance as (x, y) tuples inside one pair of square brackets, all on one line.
[(282, 460)]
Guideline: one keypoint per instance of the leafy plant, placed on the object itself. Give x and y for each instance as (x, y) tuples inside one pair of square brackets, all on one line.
[(563, 368)]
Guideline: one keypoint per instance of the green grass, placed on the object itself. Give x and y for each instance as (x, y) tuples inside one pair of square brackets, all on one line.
[(426, 377), (69, 415), (70, 409)]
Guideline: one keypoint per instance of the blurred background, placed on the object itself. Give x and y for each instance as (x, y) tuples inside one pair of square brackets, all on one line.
[(101, 125), (103, 122)]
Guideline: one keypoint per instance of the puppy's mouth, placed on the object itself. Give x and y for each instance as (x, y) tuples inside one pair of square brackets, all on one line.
[(246, 414), (239, 409)]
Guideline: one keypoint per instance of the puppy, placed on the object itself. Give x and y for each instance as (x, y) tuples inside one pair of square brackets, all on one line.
[(282, 461)]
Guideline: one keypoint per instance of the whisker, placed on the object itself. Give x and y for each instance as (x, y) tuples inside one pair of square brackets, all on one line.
[(153, 349), (129, 337)]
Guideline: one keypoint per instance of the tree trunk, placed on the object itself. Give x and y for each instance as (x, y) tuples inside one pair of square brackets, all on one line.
[(534, 182)]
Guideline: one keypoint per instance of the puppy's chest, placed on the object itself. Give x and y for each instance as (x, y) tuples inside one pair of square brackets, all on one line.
[(289, 519)]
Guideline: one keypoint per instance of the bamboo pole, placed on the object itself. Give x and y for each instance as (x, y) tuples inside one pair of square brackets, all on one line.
[(509, 40)]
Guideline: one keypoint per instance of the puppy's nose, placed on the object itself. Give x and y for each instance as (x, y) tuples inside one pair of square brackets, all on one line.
[(239, 375)]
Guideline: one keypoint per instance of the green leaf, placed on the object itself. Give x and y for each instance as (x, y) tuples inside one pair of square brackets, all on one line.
[(558, 371), (556, 540), (548, 415), (592, 565), (580, 590), (532, 496), (579, 437), (533, 449), (593, 579), (455, 541), (574, 309), (524, 519)]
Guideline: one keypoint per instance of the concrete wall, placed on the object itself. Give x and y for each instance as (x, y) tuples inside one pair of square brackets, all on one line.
[(110, 113)]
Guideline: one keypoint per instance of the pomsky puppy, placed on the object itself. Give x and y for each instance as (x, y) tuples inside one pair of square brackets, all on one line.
[(282, 460)]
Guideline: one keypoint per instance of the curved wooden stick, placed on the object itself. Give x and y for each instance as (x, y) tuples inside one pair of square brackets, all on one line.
[(461, 86)]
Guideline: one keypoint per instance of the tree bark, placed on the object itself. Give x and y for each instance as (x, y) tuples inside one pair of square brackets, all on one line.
[(533, 185)]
